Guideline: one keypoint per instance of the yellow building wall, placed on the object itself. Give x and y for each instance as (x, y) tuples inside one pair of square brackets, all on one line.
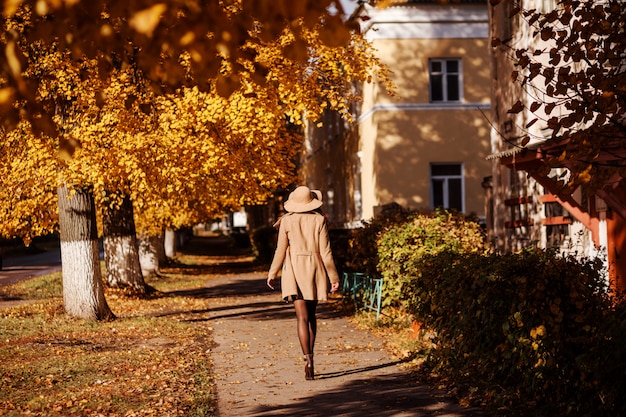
[(408, 143), (402, 135)]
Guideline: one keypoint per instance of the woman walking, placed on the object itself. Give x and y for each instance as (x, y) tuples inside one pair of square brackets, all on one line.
[(303, 252)]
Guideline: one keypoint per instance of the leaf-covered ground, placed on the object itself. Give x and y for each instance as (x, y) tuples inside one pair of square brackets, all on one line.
[(149, 361)]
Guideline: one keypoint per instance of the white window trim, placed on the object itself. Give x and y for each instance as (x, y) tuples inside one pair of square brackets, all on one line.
[(446, 200), (444, 80)]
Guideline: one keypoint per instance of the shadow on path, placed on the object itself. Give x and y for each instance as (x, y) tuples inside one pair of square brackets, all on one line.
[(259, 370), (360, 370), (234, 287), (382, 396), (241, 307)]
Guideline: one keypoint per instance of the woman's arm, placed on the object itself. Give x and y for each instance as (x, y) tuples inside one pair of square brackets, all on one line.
[(327, 258), (279, 255)]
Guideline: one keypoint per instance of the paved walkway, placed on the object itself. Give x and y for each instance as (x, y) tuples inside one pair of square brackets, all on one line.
[(259, 368)]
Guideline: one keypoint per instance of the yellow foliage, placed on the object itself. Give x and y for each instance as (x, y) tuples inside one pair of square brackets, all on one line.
[(27, 185), (189, 154)]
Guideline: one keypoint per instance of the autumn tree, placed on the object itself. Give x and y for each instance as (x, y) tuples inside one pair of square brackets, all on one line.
[(179, 157), (576, 77), (83, 293), (242, 147), (98, 114)]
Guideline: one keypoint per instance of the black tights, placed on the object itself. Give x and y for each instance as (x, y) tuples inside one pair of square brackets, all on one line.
[(307, 324)]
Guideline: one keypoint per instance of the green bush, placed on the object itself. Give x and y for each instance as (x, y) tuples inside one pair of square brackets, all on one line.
[(531, 333), (363, 245), (400, 246)]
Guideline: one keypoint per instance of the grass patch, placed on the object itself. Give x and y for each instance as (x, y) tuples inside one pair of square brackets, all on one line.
[(154, 359), (50, 286)]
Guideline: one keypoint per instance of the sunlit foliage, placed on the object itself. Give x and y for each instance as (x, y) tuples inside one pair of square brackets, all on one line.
[(154, 37), (185, 153)]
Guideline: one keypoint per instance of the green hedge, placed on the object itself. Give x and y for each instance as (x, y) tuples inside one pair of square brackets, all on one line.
[(363, 246), (390, 245), (532, 333), (401, 246)]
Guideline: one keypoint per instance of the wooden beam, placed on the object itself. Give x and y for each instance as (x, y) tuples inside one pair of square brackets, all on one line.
[(556, 220)]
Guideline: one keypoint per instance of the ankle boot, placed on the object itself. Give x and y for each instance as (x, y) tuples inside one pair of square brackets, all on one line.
[(308, 368)]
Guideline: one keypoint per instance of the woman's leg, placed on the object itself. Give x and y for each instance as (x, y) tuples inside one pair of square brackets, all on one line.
[(307, 324), (311, 306), (307, 330), (304, 334)]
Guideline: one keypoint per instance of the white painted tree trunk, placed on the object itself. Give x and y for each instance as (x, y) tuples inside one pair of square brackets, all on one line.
[(121, 251), (151, 253), (83, 292), (170, 243)]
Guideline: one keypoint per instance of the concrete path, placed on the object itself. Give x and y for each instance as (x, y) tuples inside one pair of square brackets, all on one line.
[(259, 368)]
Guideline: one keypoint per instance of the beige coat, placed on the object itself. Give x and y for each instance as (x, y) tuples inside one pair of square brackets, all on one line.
[(303, 251)]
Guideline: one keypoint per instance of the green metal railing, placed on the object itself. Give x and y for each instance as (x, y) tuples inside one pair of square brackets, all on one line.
[(365, 291)]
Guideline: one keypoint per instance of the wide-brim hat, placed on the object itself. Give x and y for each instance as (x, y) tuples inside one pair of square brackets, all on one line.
[(303, 199)]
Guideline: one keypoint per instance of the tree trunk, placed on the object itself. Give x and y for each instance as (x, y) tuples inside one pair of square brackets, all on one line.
[(170, 243), (83, 292), (151, 253), (121, 251)]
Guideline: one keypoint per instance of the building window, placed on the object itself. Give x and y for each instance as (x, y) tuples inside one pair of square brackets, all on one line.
[(446, 185), (445, 79), (557, 222)]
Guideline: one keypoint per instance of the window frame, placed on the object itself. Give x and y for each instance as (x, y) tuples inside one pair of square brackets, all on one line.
[(444, 79), (446, 187)]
